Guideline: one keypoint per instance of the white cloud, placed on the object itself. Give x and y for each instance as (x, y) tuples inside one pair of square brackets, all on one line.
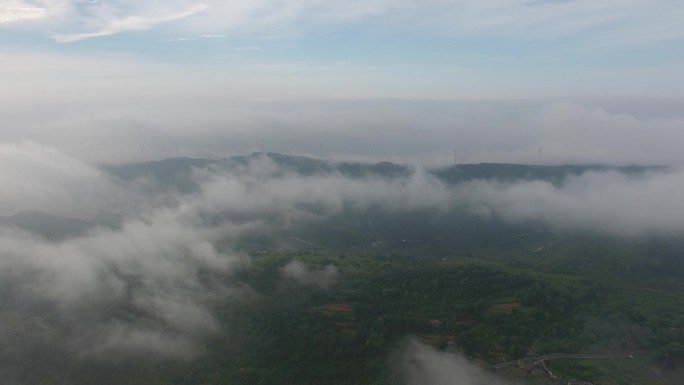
[(16, 10), (572, 132), (610, 20), (528, 19), (305, 275), (420, 364), (604, 202), (131, 23), (42, 178), (180, 39), (609, 203), (159, 265)]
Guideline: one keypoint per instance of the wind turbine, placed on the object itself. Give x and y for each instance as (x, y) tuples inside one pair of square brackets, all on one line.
[(263, 146), (539, 159), (455, 157), (371, 152), (320, 150)]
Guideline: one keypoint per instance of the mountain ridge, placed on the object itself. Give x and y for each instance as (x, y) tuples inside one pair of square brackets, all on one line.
[(47, 225), (180, 169)]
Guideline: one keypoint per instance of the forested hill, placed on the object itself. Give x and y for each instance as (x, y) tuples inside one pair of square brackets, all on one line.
[(48, 226), (177, 172), (336, 265), (366, 225), (515, 172)]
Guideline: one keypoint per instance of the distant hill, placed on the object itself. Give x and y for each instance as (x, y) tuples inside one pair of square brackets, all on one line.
[(493, 289), (176, 173), (514, 172), (425, 231), (49, 226), (173, 172)]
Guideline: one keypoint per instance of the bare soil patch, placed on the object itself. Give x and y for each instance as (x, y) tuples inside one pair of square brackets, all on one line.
[(506, 306), (332, 308)]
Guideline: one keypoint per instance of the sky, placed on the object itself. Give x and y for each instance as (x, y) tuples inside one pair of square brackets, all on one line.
[(120, 80)]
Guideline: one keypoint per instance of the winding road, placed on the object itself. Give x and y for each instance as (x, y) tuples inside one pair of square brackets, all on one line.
[(553, 356)]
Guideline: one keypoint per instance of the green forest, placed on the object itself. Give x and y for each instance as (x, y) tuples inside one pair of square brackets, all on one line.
[(488, 310), (519, 300)]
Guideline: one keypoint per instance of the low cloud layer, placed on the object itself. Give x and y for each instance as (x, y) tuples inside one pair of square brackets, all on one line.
[(36, 177), (299, 272), (159, 277), (605, 202), (144, 286), (420, 364)]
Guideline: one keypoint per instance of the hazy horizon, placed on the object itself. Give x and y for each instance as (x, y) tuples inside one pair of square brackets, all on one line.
[(122, 81)]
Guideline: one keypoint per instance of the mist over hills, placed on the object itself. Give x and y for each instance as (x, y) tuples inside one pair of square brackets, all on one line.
[(300, 203), (177, 172), (272, 202), (183, 265), (467, 209), (49, 226)]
